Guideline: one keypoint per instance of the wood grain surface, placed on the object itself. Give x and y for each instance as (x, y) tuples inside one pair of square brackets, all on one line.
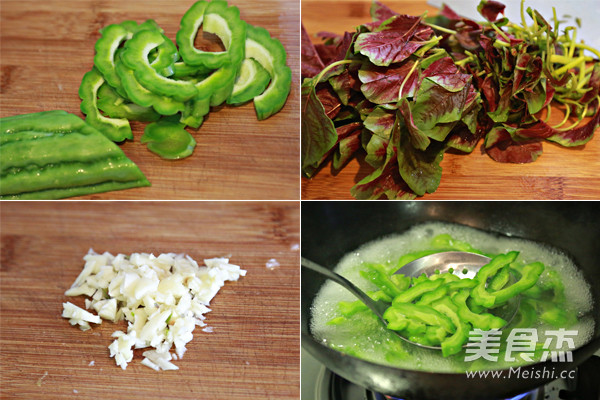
[(559, 173), (47, 46), (253, 352)]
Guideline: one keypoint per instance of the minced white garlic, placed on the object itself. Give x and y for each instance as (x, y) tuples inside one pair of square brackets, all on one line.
[(78, 316), (272, 264), (162, 299)]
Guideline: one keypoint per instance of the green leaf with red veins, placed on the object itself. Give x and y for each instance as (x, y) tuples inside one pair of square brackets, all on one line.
[(347, 147), (569, 138), (376, 150), (418, 138), (502, 110), (535, 98), (500, 145), (580, 135), (471, 109), (380, 122), (462, 139), (451, 82), (435, 104), (346, 82), (528, 72), (318, 132), (382, 85), (420, 169), (386, 179), (383, 182)]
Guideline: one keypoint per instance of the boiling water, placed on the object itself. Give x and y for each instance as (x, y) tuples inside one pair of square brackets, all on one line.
[(364, 336)]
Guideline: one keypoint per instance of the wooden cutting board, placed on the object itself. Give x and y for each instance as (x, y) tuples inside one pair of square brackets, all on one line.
[(46, 47), (559, 173), (253, 352)]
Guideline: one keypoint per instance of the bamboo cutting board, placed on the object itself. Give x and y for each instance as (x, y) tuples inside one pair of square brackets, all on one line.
[(253, 352), (559, 173), (47, 46)]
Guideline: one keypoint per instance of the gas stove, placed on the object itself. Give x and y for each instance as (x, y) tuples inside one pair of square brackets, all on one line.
[(319, 383)]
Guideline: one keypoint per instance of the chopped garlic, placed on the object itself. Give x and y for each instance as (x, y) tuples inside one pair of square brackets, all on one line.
[(272, 264), (79, 315), (162, 299), (158, 361), (121, 348), (106, 309)]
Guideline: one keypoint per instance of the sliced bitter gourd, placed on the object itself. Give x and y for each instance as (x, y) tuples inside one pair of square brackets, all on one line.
[(270, 53), (168, 139), (252, 80)]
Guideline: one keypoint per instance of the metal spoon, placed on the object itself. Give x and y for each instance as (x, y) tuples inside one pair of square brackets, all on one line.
[(463, 265)]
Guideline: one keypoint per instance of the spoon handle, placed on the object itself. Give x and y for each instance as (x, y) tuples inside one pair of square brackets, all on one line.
[(362, 296)]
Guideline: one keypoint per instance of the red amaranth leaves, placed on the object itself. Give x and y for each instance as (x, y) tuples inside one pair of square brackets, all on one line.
[(490, 9), (381, 85), (500, 145), (393, 41)]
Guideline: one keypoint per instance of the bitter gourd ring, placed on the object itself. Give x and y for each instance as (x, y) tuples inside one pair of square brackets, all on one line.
[(217, 18), (140, 95), (251, 81), (270, 53), (113, 36), (135, 56), (116, 129)]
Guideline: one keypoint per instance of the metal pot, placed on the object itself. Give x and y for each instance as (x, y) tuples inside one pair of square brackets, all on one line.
[(332, 229)]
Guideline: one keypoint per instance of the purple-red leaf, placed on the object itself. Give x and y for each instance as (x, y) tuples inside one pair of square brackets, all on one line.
[(580, 135), (381, 12), (382, 85), (385, 48), (337, 50), (331, 103), (311, 62), (490, 9), (409, 25), (444, 65), (392, 43), (449, 13)]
